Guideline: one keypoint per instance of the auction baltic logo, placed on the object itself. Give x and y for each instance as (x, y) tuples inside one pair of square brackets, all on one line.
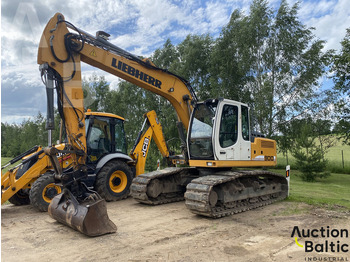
[(329, 241)]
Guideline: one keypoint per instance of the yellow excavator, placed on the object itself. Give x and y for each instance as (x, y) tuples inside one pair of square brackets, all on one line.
[(218, 138)]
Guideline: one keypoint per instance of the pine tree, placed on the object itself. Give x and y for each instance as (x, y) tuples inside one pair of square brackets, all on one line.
[(309, 156)]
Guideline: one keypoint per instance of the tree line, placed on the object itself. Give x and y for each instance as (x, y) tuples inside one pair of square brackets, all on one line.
[(266, 58)]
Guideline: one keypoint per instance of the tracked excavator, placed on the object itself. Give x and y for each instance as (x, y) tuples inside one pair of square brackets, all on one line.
[(218, 138)]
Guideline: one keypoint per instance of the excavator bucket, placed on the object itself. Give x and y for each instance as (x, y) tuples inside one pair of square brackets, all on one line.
[(88, 217)]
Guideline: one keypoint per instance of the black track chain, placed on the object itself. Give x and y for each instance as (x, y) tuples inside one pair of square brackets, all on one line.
[(198, 191), (139, 185)]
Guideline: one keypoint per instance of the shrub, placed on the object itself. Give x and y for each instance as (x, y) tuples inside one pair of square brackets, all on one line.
[(309, 157)]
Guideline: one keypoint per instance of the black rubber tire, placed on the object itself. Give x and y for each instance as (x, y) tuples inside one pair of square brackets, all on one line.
[(114, 169), (37, 193), (21, 198)]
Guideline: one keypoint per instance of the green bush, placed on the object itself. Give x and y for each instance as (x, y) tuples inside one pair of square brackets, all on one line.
[(309, 157), (311, 165)]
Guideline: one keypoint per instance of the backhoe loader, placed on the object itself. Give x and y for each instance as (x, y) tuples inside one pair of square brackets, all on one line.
[(32, 181), (218, 137)]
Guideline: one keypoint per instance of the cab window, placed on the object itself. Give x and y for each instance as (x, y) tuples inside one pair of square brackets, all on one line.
[(120, 140), (201, 131), (245, 123), (228, 126), (99, 139)]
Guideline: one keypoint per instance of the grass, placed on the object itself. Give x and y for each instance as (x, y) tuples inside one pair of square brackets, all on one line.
[(334, 157), (291, 210), (332, 192), (4, 160)]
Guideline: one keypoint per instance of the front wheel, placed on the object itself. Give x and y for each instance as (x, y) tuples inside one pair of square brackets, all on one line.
[(43, 191), (114, 180)]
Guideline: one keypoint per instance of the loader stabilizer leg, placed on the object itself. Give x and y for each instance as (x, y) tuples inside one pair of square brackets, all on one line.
[(88, 217)]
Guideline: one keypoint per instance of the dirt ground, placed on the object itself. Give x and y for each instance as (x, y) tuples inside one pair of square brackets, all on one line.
[(168, 233)]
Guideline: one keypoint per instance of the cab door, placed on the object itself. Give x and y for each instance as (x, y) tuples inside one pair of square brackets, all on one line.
[(245, 144), (105, 135), (232, 135), (98, 138)]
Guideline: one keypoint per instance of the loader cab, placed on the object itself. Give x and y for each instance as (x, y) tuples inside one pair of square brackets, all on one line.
[(104, 135), (219, 130)]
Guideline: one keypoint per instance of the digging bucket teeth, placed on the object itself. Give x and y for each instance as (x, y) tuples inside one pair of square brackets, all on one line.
[(88, 217)]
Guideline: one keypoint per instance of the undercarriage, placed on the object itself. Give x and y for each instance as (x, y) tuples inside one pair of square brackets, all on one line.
[(214, 195)]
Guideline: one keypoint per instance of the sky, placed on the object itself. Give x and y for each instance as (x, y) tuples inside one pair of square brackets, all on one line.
[(138, 26)]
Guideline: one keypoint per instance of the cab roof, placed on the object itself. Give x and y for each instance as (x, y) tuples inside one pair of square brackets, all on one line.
[(89, 113)]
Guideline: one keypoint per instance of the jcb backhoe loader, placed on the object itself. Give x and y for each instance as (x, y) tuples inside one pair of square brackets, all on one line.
[(219, 134), (31, 180), (110, 171)]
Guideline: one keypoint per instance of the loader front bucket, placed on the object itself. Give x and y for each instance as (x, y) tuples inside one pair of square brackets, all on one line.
[(89, 217)]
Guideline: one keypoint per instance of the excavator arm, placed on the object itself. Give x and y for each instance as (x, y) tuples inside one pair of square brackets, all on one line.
[(63, 51)]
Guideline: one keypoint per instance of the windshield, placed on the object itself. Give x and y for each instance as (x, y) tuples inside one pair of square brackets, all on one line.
[(104, 136), (200, 140)]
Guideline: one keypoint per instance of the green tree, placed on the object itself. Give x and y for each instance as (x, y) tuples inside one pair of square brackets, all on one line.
[(195, 56), (128, 102), (341, 65), (271, 61), (166, 57), (9, 140), (341, 69), (309, 156), (293, 61), (95, 90), (342, 127), (18, 138), (230, 65)]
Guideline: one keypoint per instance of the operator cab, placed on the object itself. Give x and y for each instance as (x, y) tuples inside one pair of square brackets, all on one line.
[(219, 130), (104, 135)]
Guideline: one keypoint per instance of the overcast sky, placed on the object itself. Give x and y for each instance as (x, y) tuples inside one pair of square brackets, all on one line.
[(138, 26)]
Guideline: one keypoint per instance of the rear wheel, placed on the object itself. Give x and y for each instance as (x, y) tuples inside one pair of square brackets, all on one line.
[(114, 180), (43, 191), (20, 198)]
